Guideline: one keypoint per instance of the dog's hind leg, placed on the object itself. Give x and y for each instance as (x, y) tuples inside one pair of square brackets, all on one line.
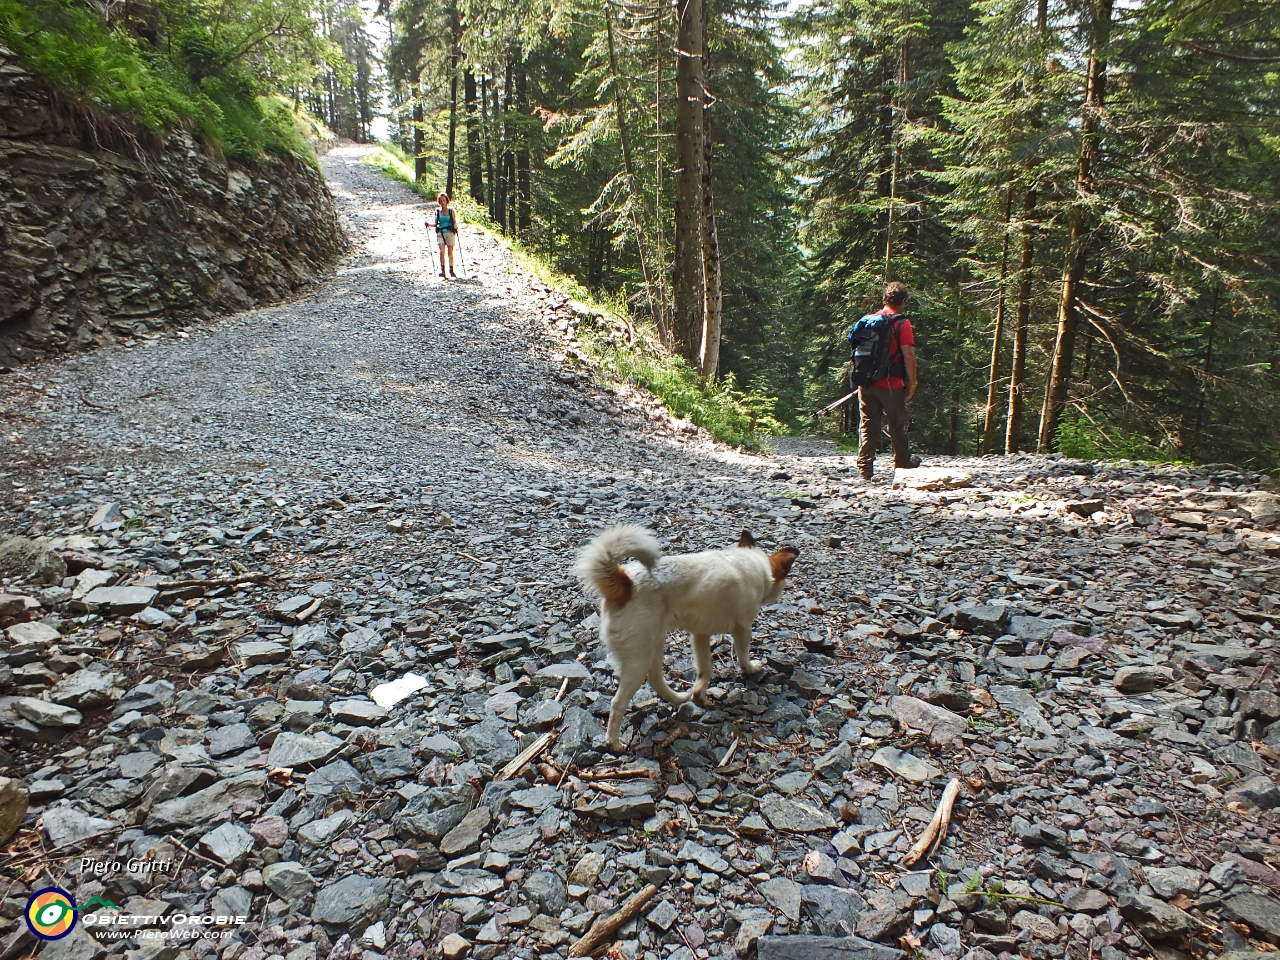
[(702, 663), (658, 680), (742, 650), (630, 677)]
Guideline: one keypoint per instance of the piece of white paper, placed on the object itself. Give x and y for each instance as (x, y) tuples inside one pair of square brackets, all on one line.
[(387, 695)]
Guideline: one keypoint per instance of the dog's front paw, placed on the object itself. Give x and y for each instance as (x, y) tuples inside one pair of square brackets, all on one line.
[(616, 746), (752, 668), (699, 696)]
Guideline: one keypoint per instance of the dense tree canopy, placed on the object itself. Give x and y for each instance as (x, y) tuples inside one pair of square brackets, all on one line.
[(1084, 196)]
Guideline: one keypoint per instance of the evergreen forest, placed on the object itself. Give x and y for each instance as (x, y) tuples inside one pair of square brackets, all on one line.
[(1082, 195)]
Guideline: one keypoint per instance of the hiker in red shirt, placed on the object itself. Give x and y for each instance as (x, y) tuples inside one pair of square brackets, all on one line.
[(887, 398)]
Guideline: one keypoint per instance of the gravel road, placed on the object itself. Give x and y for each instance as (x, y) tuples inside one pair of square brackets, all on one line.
[(221, 542)]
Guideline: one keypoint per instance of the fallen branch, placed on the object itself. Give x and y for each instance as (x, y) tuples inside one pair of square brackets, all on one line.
[(937, 828), (525, 756), (97, 406), (728, 754), (214, 582), (611, 774), (603, 930), (185, 849)]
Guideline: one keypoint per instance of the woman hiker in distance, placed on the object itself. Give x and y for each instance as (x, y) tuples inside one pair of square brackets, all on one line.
[(446, 231)]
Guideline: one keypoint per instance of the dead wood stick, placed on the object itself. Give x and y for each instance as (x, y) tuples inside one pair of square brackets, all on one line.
[(214, 581), (937, 828), (185, 849), (97, 406), (612, 774), (728, 754), (525, 756), (564, 686), (602, 930)]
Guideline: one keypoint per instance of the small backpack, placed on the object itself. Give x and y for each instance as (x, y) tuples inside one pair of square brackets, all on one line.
[(870, 343)]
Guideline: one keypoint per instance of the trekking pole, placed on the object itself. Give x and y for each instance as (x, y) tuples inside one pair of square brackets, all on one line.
[(462, 261)]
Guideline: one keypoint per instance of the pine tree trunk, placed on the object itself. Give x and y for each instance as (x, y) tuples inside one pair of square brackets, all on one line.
[(957, 373), (500, 183), (1059, 382), (455, 37), (689, 279), (475, 160), (989, 422), (419, 161), (713, 297), (1204, 377), (633, 192), (660, 263), (485, 132), (524, 199)]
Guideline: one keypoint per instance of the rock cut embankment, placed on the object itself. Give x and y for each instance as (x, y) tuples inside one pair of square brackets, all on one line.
[(101, 237)]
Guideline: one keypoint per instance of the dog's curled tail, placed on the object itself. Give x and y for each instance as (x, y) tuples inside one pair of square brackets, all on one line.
[(600, 564)]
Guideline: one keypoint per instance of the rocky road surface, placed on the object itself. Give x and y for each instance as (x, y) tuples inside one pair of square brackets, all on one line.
[(285, 596)]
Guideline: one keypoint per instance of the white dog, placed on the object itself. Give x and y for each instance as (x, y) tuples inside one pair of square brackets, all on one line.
[(709, 593)]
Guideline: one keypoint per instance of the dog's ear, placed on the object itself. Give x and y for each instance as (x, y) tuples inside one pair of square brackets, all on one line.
[(782, 561), (746, 540)]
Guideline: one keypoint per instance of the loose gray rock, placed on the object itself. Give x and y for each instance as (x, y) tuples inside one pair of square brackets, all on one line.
[(795, 817), (66, 825), (835, 763), (490, 741), (824, 948), (293, 750), (941, 726), (88, 689), (206, 805), (434, 812), (353, 902), (1134, 680), (24, 559), (545, 892), (228, 844), (1259, 792), (465, 837), (288, 880), (1261, 914), (121, 601), (13, 807), (358, 713), (45, 714), (33, 634), (784, 894), (335, 779), (905, 765), (237, 737)]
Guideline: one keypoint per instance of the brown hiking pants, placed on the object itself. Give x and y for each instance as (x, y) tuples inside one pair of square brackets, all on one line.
[(875, 403)]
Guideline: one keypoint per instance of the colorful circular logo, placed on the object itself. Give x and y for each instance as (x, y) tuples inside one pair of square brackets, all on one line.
[(51, 913)]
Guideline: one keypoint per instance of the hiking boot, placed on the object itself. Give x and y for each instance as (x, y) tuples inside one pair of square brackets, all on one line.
[(452, 274), (867, 474), (911, 464), (442, 276)]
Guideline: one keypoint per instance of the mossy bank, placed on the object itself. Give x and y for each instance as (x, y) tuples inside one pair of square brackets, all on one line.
[(107, 233)]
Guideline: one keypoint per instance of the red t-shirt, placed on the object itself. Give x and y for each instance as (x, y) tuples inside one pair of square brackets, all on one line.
[(901, 336)]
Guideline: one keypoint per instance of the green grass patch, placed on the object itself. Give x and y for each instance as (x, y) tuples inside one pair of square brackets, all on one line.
[(1083, 439), (398, 165), (107, 70), (728, 413)]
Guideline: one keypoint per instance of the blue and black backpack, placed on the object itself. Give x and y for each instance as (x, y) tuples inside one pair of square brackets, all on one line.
[(870, 349)]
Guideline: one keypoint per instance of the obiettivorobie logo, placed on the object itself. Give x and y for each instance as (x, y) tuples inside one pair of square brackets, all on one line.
[(51, 912)]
